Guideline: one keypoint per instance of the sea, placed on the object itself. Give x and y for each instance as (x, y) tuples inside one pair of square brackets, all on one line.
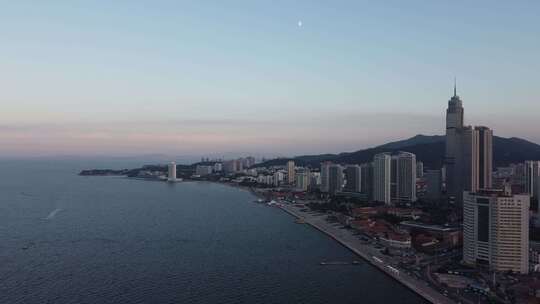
[(65, 238)]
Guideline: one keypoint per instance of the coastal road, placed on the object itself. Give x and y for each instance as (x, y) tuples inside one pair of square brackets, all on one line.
[(372, 255)]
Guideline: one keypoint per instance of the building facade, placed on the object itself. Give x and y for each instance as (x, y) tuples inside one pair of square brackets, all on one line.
[(335, 179), (203, 170), (496, 230), (485, 157), (382, 178), (454, 129), (405, 177), (468, 162), (303, 180), (419, 169), (172, 172), (324, 176), (291, 172), (353, 178), (433, 180), (532, 176), (366, 180)]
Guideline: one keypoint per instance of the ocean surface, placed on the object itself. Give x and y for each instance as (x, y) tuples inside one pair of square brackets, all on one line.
[(71, 239)]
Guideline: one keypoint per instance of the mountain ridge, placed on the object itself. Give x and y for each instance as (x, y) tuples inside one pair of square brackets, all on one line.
[(429, 149)]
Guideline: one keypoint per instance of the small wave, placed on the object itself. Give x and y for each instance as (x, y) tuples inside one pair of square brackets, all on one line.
[(53, 214)]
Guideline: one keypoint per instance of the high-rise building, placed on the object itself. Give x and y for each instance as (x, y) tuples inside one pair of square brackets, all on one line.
[(290, 172), (532, 175), (335, 178), (381, 177), (303, 179), (518, 175), (454, 127), (405, 171), (394, 177), (496, 230), (485, 157), (394, 195), (353, 178), (469, 153), (278, 178), (366, 180), (419, 169), (468, 161), (433, 180), (324, 176), (172, 172), (314, 180)]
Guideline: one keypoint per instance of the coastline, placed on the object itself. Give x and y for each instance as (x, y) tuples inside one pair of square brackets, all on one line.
[(352, 243), (370, 255)]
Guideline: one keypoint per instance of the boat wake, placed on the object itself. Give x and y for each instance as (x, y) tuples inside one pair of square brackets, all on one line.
[(53, 214)]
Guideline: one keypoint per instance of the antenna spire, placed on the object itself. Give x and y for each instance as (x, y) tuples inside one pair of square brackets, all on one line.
[(455, 94)]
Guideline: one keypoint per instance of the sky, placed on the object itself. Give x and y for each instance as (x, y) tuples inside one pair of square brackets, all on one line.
[(259, 77)]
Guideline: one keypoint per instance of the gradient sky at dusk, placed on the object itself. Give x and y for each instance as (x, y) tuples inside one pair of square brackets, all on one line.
[(211, 77)]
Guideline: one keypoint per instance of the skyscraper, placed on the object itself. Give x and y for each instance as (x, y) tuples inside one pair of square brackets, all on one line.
[(485, 157), (381, 177), (454, 127), (290, 172), (469, 153), (335, 179), (353, 178), (172, 172), (406, 176), (496, 230)]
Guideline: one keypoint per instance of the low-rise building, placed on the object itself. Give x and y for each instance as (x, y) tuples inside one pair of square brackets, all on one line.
[(396, 240)]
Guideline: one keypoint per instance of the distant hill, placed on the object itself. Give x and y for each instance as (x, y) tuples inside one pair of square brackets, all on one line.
[(428, 149), (415, 140)]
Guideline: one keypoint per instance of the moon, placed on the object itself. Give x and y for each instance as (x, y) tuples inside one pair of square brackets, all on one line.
[(300, 23)]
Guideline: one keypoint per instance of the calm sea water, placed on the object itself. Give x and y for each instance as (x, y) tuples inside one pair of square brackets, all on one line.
[(71, 239)]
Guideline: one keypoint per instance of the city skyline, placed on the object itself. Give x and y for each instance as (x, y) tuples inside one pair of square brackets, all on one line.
[(184, 79), (270, 151)]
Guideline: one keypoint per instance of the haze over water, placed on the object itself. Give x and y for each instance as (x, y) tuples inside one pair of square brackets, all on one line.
[(71, 239)]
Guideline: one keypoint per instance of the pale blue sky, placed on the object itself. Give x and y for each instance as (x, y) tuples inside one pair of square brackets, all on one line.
[(188, 77)]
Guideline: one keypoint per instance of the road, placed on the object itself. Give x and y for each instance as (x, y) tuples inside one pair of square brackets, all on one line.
[(372, 255)]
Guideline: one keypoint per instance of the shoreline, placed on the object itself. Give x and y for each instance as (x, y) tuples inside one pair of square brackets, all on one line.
[(350, 242), (369, 255)]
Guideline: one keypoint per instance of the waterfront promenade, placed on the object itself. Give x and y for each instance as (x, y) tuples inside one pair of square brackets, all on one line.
[(371, 255)]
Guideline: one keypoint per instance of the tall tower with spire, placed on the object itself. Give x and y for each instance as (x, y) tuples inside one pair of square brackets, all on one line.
[(454, 131)]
